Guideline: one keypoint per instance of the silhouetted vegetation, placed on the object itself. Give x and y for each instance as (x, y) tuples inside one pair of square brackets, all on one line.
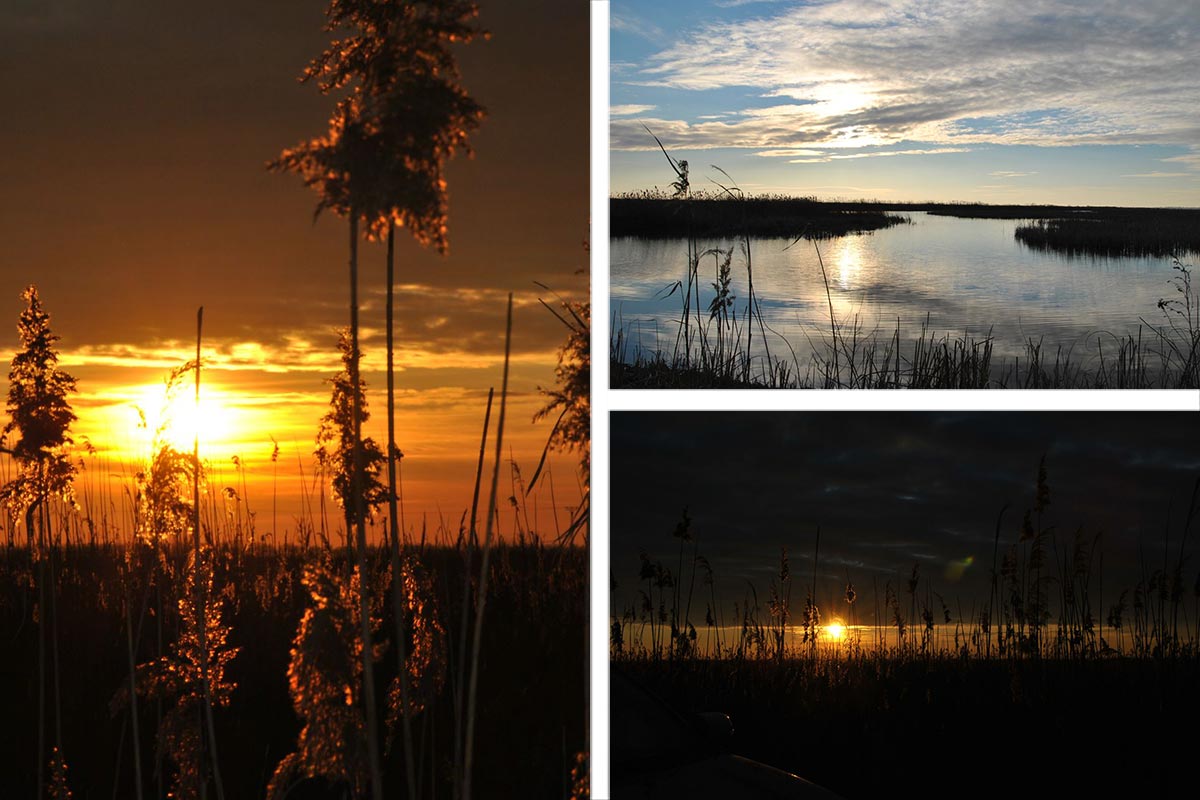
[(572, 400), (382, 163), (656, 217), (1165, 233), (1066, 229), (1053, 666), (144, 628), (533, 688), (1092, 230)]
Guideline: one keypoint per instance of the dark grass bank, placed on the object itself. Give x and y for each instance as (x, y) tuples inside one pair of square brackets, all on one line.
[(532, 682), (704, 217)]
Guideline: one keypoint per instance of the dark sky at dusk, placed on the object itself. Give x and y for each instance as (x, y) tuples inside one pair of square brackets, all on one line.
[(133, 144), (890, 490)]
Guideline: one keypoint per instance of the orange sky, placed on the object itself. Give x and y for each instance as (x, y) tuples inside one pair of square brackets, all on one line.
[(135, 191)]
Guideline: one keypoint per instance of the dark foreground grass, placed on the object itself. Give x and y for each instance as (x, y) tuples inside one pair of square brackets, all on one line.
[(883, 726), (1151, 358), (532, 680)]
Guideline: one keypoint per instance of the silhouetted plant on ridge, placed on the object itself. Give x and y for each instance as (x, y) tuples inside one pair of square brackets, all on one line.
[(572, 399), (337, 446), (38, 410)]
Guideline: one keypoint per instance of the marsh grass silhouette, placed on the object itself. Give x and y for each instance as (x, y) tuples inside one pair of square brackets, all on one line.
[(571, 398), (1100, 231), (403, 115), (654, 216), (124, 570), (1034, 673), (533, 692), (190, 678), (41, 415)]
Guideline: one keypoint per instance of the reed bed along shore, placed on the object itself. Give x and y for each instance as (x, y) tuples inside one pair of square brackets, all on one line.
[(1103, 231), (1162, 236), (1164, 356), (657, 216)]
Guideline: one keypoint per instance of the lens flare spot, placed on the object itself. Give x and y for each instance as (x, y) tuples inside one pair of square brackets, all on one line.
[(955, 569)]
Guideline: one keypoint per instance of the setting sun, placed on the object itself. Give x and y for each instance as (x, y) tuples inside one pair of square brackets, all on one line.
[(835, 631), (178, 418)]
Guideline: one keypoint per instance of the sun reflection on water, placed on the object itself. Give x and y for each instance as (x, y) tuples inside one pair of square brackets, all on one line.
[(849, 260)]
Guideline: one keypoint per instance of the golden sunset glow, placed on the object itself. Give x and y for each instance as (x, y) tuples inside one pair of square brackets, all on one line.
[(177, 419), (247, 416), (835, 631)]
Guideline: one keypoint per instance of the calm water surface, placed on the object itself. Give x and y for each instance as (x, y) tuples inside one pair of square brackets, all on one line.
[(967, 276)]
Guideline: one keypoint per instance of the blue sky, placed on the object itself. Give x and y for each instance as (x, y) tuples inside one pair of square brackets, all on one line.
[(1044, 101)]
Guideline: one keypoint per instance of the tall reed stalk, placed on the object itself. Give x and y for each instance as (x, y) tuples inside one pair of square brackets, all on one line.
[(481, 600), (202, 584)]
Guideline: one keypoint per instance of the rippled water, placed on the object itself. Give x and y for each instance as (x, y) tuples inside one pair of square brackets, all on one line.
[(966, 276)]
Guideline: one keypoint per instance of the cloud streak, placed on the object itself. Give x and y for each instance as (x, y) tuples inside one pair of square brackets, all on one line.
[(1158, 175), (630, 109), (933, 151)]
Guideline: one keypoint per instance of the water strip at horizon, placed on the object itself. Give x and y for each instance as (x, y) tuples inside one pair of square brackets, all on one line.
[(946, 640)]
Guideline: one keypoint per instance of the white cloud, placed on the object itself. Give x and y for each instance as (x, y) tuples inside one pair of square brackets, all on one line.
[(1158, 175), (826, 158), (879, 154), (738, 3), (1004, 173), (629, 109), (1191, 160), (624, 23), (788, 153), (954, 72)]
